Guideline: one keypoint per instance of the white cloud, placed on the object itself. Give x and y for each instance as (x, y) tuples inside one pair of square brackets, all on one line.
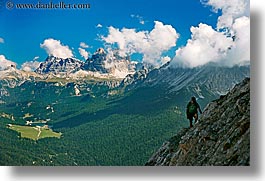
[(231, 10), (2, 40), (55, 48), (5, 63), (30, 66), (229, 47), (83, 45), (206, 45), (99, 26), (240, 53), (83, 53), (150, 44)]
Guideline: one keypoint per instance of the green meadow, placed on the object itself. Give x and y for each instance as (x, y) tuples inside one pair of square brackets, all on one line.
[(34, 133)]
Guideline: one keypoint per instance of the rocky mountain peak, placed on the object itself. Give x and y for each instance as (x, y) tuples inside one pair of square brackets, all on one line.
[(57, 65), (110, 63), (221, 137), (102, 63)]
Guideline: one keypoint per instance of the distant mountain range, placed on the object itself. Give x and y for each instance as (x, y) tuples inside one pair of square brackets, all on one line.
[(132, 74), (121, 73), (100, 63)]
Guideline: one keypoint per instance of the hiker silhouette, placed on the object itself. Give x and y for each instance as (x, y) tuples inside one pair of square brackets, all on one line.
[(192, 110)]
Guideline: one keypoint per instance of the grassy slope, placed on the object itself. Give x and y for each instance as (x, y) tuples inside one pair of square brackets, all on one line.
[(26, 131), (48, 133)]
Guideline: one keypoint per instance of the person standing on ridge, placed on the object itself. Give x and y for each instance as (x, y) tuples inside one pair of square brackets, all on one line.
[(192, 111)]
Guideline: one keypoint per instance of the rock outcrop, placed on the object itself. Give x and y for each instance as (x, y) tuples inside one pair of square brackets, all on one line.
[(97, 62), (221, 137)]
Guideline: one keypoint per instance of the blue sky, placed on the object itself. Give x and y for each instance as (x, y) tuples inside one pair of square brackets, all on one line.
[(24, 30)]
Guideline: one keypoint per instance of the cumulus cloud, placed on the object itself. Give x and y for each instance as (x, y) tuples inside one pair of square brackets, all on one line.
[(5, 63), (240, 52), (231, 10), (30, 66), (2, 40), (83, 53), (227, 45), (206, 45), (83, 45), (150, 44), (55, 48)]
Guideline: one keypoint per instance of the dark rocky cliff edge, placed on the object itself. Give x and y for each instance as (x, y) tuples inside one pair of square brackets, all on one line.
[(221, 137)]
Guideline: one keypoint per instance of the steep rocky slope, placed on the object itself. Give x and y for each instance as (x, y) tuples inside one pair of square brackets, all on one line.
[(221, 137)]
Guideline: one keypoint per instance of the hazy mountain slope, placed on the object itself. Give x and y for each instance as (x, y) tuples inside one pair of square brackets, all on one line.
[(217, 80)]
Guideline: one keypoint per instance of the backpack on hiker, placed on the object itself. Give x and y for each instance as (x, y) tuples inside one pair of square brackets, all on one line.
[(192, 108)]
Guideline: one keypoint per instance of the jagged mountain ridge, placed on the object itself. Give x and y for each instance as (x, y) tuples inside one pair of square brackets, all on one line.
[(57, 65), (101, 63), (221, 137), (218, 80)]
